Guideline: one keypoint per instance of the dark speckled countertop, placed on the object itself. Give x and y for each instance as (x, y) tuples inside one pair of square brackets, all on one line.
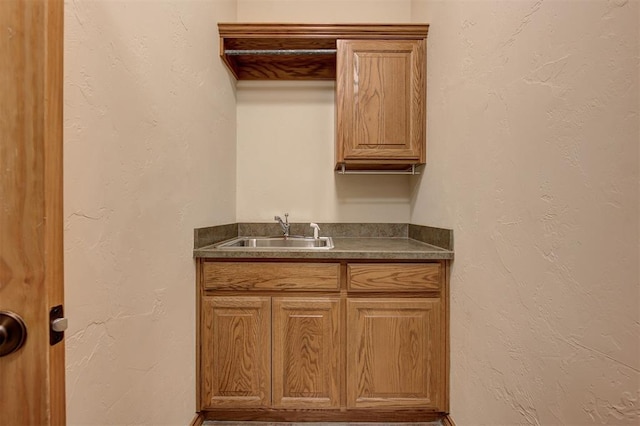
[(351, 241)]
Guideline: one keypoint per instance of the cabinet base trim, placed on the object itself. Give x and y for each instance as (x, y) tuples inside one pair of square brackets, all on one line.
[(198, 420), (448, 421), (337, 415)]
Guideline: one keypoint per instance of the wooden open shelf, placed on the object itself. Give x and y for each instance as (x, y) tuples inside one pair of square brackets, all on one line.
[(298, 51)]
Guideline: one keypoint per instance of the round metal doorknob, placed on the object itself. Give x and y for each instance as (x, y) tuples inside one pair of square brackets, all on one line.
[(13, 332)]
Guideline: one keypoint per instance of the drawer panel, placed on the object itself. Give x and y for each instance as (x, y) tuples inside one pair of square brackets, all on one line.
[(270, 276), (394, 277)]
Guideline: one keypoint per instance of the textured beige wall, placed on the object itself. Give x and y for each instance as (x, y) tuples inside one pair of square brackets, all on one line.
[(149, 155), (533, 134), (286, 133), (325, 11), (533, 160)]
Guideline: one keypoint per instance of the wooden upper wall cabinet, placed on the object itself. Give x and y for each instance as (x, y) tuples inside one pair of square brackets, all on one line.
[(380, 74), (380, 103)]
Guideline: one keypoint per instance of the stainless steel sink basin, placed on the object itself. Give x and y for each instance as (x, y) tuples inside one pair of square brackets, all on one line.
[(322, 243)]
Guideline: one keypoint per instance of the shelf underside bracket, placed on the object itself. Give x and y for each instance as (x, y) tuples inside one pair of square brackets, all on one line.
[(246, 52), (413, 170)]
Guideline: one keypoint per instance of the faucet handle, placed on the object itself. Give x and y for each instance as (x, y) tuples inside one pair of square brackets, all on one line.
[(286, 218), (283, 224)]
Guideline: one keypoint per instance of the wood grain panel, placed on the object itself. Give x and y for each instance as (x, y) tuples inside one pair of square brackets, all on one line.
[(380, 100), (394, 277), (306, 352), (31, 275), (270, 276), (53, 171), (311, 32), (381, 113), (444, 338), (256, 36), (236, 352), (201, 342), (273, 42), (394, 356), (390, 415), (284, 67)]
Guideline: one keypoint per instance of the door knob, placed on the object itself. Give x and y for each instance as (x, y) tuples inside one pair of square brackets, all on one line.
[(13, 332)]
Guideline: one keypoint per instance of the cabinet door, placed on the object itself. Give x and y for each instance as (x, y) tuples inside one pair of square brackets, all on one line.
[(395, 354), (236, 352), (306, 352), (381, 100)]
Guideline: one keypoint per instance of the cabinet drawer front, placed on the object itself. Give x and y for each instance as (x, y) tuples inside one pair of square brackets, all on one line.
[(270, 276), (394, 277)]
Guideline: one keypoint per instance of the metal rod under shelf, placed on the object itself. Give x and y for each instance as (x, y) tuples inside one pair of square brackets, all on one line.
[(412, 171), (238, 52)]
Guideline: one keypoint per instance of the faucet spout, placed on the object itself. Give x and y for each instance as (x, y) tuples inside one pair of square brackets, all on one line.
[(284, 224)]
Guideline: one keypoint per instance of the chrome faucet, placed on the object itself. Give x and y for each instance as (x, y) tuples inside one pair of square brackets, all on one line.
[(285, 225)]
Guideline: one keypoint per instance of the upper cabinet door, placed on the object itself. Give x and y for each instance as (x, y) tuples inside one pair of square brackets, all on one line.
[(380, 98)]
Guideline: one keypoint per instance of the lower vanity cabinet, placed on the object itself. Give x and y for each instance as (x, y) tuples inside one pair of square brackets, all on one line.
[(259, 350), (334, 341), (396, 345), (263, 352)]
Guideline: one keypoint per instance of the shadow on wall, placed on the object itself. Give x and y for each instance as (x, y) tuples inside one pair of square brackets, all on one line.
[(371, 198), (367, 189), (279, 92)]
